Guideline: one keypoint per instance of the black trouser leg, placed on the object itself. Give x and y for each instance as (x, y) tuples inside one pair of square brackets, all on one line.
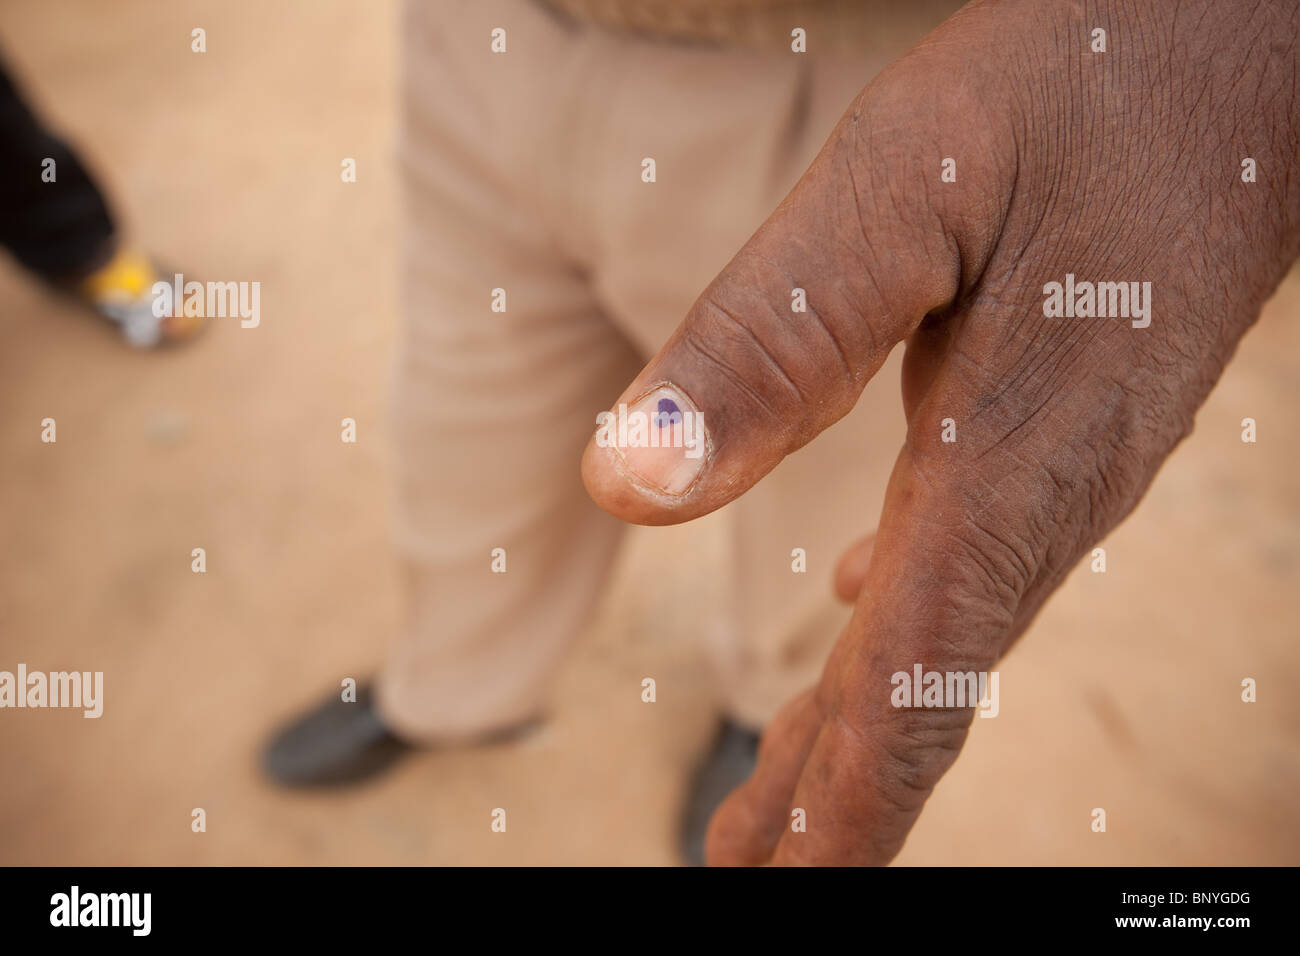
[(59, 229)]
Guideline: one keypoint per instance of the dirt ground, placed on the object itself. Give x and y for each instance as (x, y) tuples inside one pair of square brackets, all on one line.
[(1125, 695)]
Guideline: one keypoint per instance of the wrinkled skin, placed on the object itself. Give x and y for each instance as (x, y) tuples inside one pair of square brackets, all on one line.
[(1116, 166)]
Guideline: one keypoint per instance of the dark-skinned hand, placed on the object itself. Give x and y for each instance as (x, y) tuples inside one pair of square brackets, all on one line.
[(1118, 166)]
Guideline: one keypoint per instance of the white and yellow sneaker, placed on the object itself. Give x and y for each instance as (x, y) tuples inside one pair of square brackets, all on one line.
[(122, 291)]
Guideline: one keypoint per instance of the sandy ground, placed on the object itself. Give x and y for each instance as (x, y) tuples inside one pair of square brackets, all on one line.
[(1126, 694)]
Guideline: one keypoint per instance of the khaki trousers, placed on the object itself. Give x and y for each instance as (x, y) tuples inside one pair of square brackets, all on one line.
[(522, 171)]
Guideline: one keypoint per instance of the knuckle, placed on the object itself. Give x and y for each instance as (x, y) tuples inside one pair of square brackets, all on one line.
[(748, 381), (768, 361), (989, 534), (993, 560), (914, 755)]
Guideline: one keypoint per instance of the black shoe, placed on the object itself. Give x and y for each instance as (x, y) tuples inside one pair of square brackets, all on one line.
[(334, 744), (729, 762)]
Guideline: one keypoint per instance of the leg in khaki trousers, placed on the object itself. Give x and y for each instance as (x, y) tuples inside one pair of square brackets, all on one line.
[(523, 172)]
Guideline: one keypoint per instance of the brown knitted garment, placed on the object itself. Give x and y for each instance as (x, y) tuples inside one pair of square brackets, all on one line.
[(832, 26)]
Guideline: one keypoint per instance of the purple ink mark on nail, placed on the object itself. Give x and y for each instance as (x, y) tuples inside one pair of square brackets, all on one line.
[(668, 413)]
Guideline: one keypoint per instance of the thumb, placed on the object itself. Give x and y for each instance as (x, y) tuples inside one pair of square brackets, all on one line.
[(782, 342)]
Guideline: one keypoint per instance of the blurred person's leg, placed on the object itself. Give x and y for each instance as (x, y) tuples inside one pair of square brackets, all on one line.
[(55, 221), (730, 132), (492, 408), (60, 229)]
